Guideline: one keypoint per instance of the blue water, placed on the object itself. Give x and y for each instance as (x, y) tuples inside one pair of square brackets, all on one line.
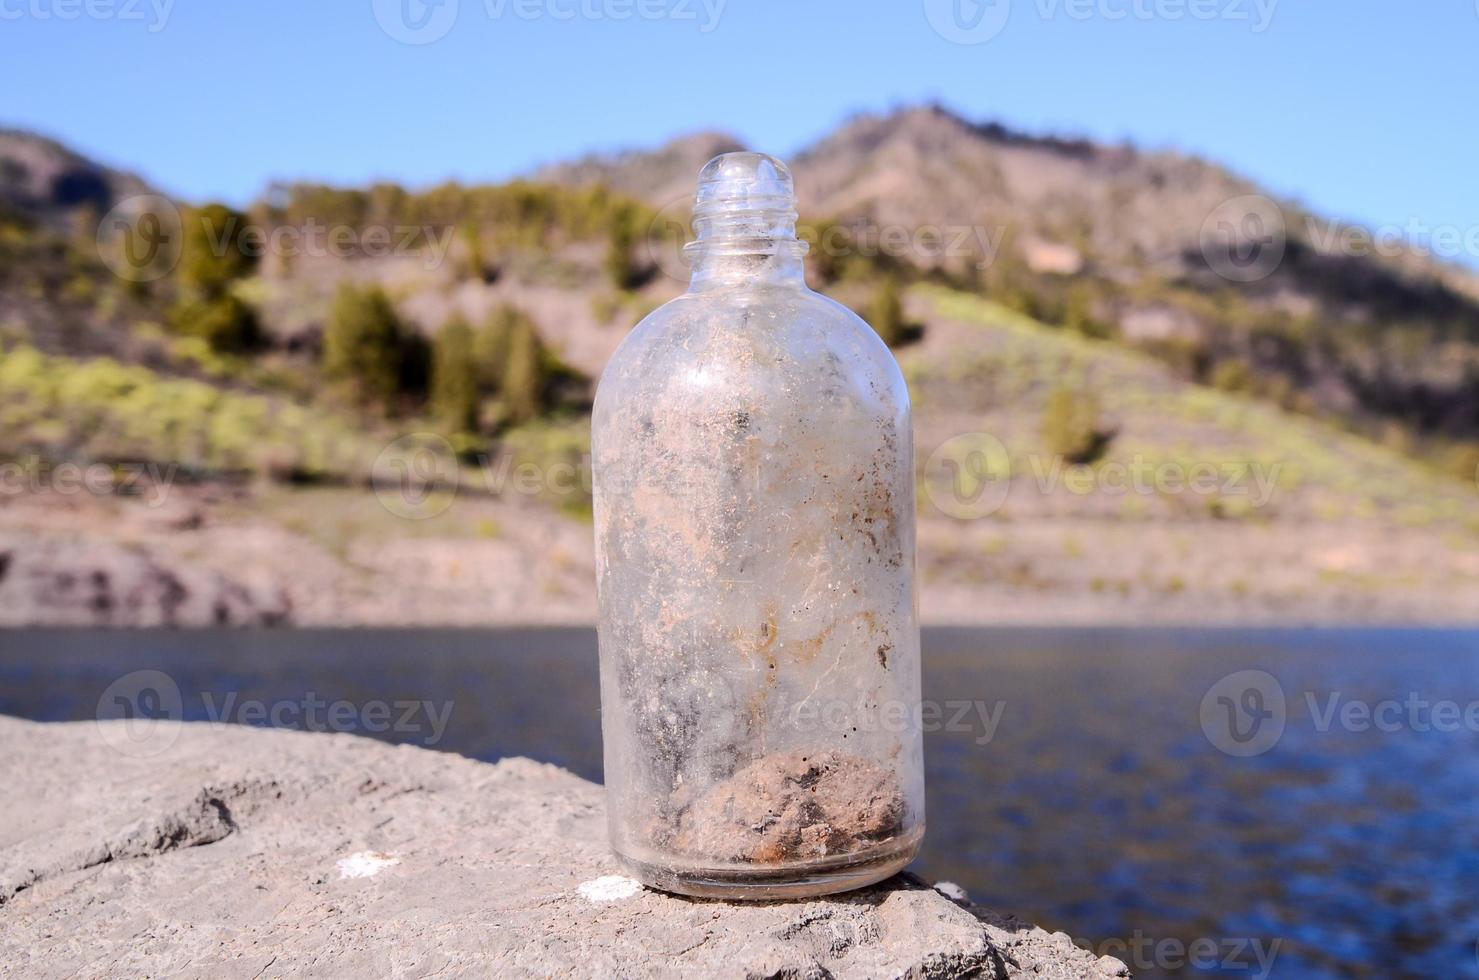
[(1098, 803)]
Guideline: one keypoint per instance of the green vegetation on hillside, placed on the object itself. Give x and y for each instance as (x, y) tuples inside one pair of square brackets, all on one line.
[(1040, 389), (887, 312), (365, 345), (520, 213), (454, 377), (1071, 426), (101, 410)]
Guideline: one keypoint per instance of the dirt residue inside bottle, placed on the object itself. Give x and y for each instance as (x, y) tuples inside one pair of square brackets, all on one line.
[(791, 807)]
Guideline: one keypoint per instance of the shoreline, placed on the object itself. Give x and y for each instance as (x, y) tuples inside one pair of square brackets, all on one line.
[(334, 558), (1274, 627)]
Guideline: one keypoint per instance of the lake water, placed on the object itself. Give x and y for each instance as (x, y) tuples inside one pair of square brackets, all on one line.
[(1078, 777)]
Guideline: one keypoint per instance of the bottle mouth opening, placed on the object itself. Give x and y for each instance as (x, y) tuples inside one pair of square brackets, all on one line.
[(746, 204), (745, 181)]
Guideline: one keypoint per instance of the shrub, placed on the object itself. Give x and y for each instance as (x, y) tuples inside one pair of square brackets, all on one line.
[(1233, 376), (454, 382), (1078, 311), (475, 259), (224, 322), (1071, 427), (490, 346), (522, 388), (106, 411), (212, 257), (886, 314), (364, 344), (620, 266), (212, 261)]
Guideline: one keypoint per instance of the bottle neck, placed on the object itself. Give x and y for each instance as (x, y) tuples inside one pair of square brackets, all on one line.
[(778, 264), (746, 247), (744, 217)]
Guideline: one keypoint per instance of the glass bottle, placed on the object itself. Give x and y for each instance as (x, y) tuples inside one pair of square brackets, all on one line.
[(754, 518)]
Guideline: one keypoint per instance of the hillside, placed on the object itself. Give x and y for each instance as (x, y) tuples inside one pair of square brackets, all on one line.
[(1202, 505), (44, 181), (394, 430), (1298, 523), (1124, 242)]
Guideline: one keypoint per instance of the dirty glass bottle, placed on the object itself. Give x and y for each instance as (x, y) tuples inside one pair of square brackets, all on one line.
[(754, 520)]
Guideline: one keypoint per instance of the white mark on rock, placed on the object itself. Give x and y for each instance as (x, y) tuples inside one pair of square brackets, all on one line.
[(952, 891), (609, 888), (365, 864)]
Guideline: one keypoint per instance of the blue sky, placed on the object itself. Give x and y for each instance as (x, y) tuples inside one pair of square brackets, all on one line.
[(1361, 109)]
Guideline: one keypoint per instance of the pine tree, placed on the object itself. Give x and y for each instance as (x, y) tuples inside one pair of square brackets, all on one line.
[(1078, 311), (1071, 428), (212, 256), (620, 265), (524, 379), (212, 260), (224, 322), (490, 346), (454, 382), (363, 343), (887, 312)]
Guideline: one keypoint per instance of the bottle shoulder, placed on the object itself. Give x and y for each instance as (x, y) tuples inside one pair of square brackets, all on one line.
[(764, 341)]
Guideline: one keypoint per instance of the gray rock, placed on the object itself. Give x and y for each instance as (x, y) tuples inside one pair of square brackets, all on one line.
[(236, 852)]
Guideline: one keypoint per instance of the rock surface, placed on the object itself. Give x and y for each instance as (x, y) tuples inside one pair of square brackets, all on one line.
[(236, 852)]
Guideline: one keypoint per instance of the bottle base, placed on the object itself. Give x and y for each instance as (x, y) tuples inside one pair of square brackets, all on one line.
[(759, 883)]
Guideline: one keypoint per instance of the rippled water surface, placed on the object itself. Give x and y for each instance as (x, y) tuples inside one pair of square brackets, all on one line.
[(1074, 775)]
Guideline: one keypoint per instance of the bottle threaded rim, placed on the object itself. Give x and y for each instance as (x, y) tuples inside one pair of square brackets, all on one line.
[(744, 183)]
